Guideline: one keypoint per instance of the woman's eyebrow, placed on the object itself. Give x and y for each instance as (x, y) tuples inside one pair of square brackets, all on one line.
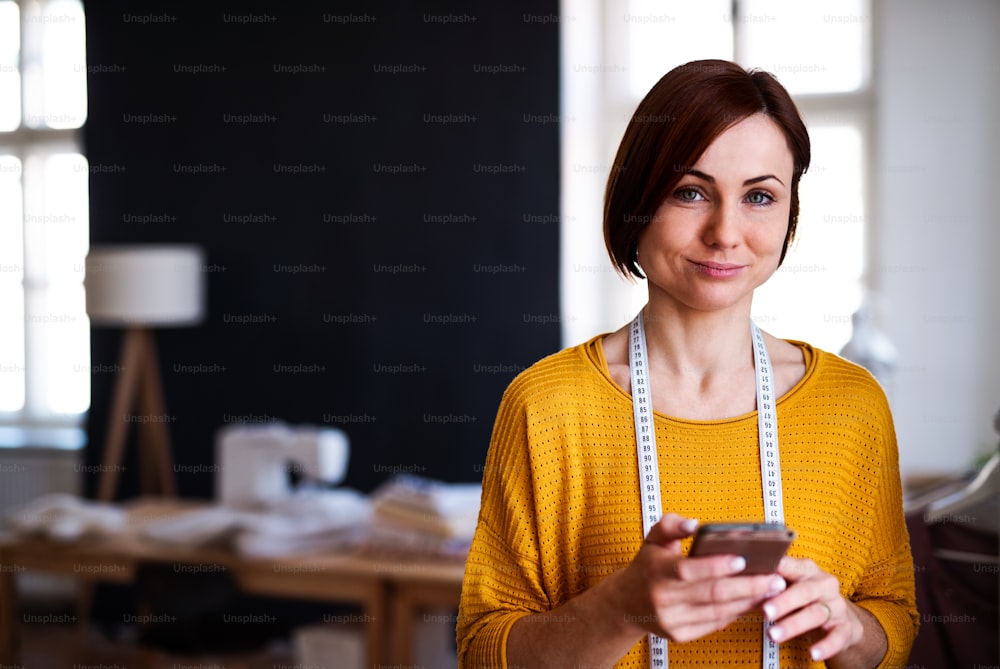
[(765, 177), (749, 182)]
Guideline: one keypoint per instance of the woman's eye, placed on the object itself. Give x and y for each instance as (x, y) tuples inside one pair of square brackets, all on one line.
[(687, 195), (759, 197)]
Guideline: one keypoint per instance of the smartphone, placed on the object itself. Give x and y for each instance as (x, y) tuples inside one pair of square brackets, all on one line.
[(762, 545)]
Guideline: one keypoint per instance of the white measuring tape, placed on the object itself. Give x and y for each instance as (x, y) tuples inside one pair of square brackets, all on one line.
[(649, 470)]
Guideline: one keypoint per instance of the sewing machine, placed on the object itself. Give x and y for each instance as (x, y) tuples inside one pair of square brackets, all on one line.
[(258, 463)]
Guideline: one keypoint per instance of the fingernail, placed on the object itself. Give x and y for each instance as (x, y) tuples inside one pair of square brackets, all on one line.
[(738, 564), (777, 634), (769, 611), (815, 654), (777, 585), (689, 525)]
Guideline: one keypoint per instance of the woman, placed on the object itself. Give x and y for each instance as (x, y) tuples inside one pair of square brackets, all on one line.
[(703, 202)]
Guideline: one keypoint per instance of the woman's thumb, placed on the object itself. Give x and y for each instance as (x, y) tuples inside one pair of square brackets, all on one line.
[(671, 527)]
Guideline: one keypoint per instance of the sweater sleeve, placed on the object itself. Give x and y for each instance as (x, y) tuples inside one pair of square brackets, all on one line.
[(502, 580), (886, 589)]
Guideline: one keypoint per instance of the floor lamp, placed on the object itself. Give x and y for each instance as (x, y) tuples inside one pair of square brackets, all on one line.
[(141, 288)]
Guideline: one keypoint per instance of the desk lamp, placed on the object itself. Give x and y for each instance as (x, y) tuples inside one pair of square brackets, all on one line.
[(140, 287)]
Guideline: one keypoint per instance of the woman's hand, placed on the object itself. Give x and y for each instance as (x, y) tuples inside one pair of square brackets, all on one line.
[(681, 598), (813, 605), (659, 592)]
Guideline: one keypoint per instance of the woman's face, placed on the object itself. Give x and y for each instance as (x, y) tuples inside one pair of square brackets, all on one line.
[(718, 234)]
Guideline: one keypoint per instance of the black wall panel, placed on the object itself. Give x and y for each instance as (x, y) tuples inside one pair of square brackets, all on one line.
[(376, 188)]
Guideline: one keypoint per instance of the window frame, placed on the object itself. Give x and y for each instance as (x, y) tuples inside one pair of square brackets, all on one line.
[(34, 424), (601, 300)]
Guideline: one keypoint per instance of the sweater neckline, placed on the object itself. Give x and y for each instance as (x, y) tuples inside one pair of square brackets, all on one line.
[(593, 350)]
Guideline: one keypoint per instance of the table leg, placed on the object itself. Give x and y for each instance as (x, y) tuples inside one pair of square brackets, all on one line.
[(375, 627), (403, 610), (8, 615), (409, 599), (84, 600)]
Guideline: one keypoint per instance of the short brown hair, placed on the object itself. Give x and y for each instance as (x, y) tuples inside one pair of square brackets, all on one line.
[(673, 125)]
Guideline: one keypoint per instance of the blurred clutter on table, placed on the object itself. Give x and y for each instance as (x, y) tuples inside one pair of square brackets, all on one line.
[(281, 525), (277, 496)]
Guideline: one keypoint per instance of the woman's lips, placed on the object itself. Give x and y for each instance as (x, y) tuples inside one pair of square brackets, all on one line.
[(720, 270)]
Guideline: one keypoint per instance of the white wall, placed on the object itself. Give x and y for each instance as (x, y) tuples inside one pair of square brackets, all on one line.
[(936, 233)]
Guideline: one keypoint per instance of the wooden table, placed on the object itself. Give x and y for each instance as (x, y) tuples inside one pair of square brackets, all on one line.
[(389, 591)]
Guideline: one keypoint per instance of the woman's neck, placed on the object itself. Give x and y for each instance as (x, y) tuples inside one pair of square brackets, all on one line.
[(687, 343)]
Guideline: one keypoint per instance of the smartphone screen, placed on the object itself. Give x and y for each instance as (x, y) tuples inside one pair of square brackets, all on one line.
[(762, 545)]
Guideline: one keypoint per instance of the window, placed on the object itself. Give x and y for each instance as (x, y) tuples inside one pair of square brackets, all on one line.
[(614, 51), (44, 338)]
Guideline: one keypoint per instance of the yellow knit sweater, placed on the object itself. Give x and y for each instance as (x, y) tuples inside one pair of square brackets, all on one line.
[(560, 506)]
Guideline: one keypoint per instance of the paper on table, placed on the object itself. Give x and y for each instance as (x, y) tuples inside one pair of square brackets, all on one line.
[(64, 517), (308, 520), (425, 516)]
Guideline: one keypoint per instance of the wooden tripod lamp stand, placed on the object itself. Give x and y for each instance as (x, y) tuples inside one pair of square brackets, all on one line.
[(139, 288)]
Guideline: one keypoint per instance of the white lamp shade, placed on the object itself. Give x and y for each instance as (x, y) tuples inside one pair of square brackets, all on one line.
[(160, 285)]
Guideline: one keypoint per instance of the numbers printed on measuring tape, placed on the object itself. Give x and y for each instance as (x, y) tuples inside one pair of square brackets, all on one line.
[(770, 467)]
